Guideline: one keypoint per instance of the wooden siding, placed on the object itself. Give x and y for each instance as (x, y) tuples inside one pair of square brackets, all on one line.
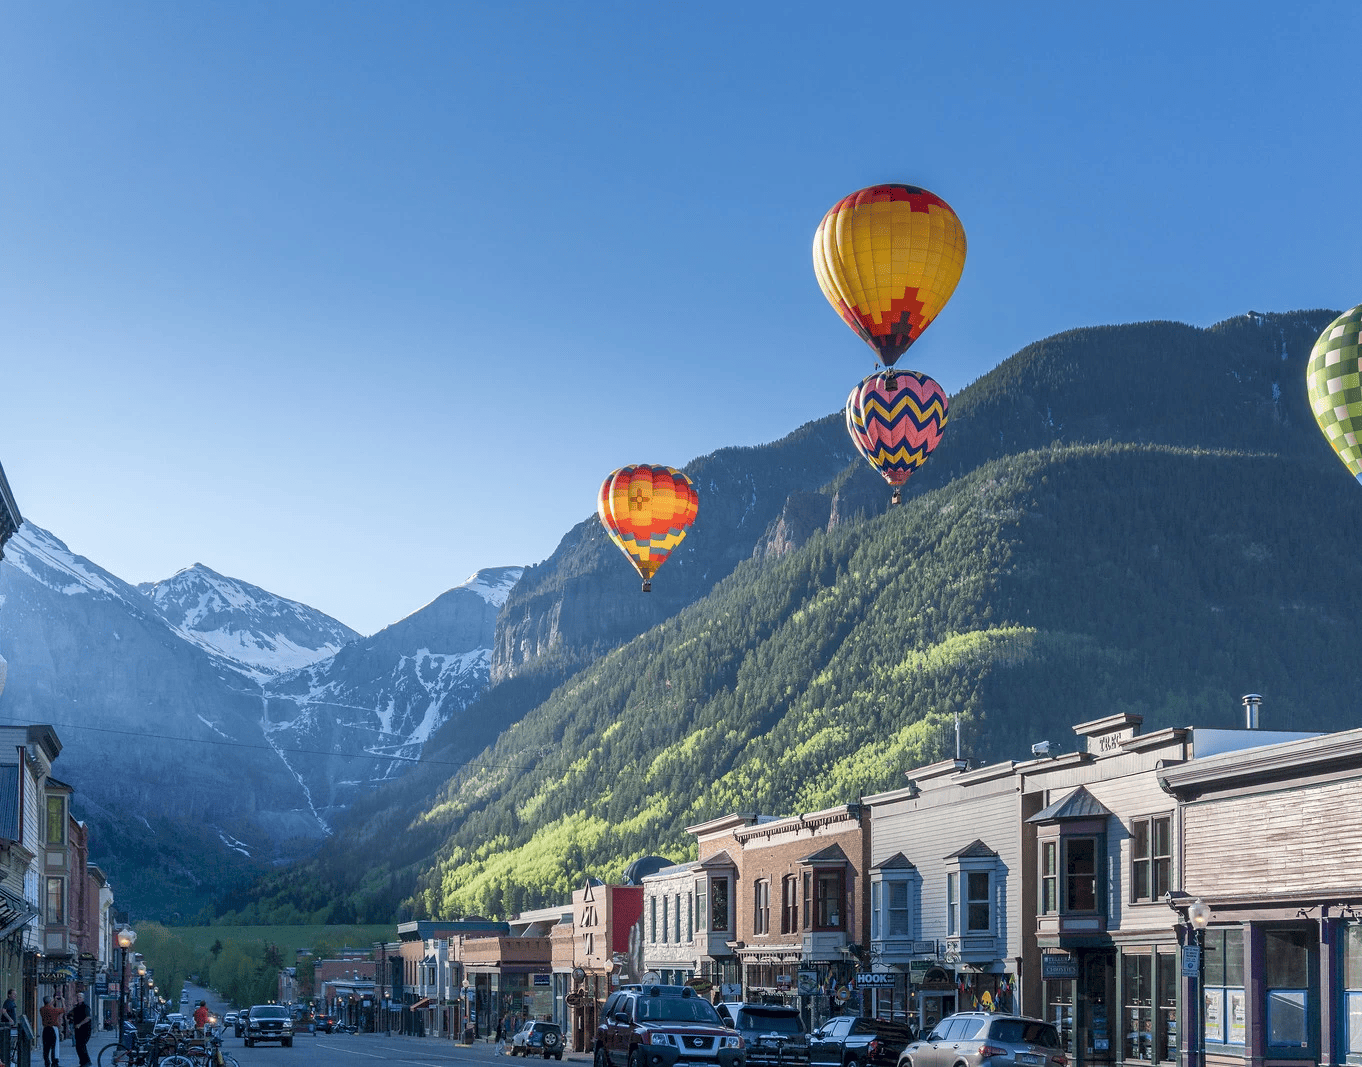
[(1292, 841)]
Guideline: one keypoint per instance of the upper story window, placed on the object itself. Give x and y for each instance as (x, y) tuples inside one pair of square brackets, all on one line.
[(1071, 847), (712, 905), (664, 919), (789, 904), (970, 889), (652, 919), (56, 820), (825, 900), (1151, 858), (56, 900), (761, 906), (893, 888)]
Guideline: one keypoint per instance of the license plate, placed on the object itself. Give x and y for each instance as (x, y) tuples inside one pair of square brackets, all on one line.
[(1028, 1057)]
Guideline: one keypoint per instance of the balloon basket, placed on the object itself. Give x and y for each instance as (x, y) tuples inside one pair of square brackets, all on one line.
[(897, 497), (647, 587)]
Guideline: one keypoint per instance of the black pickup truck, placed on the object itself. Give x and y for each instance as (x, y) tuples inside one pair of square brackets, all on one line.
[(855, 1041)]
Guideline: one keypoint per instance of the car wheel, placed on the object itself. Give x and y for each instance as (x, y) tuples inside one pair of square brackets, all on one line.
[(636, 1059), (602, 1060), (248, 1042), (287, 1042)]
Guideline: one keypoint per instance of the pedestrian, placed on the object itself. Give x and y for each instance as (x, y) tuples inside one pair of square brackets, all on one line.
[(9, 1017), (51, 1014), (200, 1018), (82, 1025), (501, 1032)]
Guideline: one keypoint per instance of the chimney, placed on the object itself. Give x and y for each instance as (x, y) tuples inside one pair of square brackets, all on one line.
[(1251, 702)]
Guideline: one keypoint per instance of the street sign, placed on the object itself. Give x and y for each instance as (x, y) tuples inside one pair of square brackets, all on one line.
[(1191, 961), (867, 981)]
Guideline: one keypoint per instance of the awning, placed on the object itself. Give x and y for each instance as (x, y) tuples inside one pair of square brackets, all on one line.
[(15, 912), (424, 1002)]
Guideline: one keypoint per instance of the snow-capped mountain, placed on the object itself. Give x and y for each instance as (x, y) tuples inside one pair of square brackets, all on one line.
[(203, 701), (257, 632), (374, 704)]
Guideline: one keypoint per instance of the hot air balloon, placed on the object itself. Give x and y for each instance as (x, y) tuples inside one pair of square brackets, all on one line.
[(1333, 378), (896, 419), (888, 258), (647, 510)]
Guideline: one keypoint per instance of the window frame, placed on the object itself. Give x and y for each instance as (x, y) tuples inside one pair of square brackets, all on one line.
[(56, 817), (971, 902), (825, 918), (761, 907), (1153, 867), (1048, 881), (952, 903), (57, 882), (789, 906)]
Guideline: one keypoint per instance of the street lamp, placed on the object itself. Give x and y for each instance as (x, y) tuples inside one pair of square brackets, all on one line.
[(1199, 915), (126, 938)]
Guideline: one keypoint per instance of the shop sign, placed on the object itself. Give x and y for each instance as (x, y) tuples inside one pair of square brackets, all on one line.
[(700, 984), (870, 981), (542, 979), (808, 983), (784, 982), (1058, 967)]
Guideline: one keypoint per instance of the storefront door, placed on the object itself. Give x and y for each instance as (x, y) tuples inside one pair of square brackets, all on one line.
[(1097, 1043)]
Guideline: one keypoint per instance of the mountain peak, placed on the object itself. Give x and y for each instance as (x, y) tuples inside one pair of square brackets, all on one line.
[(257, 632), (494, 584)]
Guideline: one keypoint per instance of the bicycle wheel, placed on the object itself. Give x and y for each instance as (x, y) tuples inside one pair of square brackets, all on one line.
[(176, 1060), (116, 1056), (230, 1060)]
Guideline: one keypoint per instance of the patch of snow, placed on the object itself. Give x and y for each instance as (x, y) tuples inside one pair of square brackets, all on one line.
[(1276, 392), (215, 728), (233, 844), (494, 584)]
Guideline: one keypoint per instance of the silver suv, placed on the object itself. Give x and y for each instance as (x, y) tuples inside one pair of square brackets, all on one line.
[(982, 1039)]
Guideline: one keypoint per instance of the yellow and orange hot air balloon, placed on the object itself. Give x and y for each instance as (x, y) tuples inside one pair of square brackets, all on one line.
[(647, 510), (888, 258)]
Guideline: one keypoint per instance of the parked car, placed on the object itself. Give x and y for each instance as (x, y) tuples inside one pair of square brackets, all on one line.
[(856, 1041), (229, 1020), (179, 1021), (537, 1038), (982, 1039), (663, 1026), (772, 1034), (325, 1024), (269, 1022)]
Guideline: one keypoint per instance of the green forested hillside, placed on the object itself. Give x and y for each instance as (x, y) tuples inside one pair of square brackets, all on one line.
[(1162, 565)]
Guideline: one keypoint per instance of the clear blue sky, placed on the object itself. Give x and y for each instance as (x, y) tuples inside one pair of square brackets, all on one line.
[(349, 299)]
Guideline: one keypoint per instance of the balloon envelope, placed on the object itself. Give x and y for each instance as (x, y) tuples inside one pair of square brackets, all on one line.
[(647, 510), (1333, 378), (888, 258), (896, 419)]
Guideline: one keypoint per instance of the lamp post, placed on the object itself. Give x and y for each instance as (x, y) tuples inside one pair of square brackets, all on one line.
[(1199, 915), (126, 938)]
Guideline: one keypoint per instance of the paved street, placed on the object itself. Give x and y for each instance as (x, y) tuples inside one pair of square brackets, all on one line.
[(316, 1050)]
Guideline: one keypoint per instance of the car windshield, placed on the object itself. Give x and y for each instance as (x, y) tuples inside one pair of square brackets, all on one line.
[(677, 1009), (1024, 1032), (780, 1022), (269, 1011)]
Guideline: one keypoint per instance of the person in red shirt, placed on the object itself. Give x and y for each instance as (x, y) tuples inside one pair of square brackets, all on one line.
[(51, 1013), (201, 1015)]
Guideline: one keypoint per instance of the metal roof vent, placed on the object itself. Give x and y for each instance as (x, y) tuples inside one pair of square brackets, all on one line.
[(1251, 702)]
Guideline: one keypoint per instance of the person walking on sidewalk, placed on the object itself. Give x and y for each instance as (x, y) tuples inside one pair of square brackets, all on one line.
[(52, 1014), (82, 1025), (9, 1017)]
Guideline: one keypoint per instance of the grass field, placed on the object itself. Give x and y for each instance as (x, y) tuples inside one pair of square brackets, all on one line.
[(288, 938)]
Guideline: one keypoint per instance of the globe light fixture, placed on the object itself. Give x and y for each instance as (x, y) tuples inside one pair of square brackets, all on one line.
[(1199, 914)]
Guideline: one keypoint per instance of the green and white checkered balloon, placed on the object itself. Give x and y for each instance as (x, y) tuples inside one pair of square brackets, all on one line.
[(1334, 380)]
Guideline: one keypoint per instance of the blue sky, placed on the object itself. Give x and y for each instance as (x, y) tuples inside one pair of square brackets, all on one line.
[(350, 299)]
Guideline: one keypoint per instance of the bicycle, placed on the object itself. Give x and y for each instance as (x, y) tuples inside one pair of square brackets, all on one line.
[(207, 1052), (157, 1050)]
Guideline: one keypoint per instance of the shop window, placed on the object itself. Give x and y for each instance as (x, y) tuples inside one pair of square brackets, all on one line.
[(1151, 858), (1149, 1005), (1287, 965), (1352, 990), (1225, 1010), (761, 906)]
